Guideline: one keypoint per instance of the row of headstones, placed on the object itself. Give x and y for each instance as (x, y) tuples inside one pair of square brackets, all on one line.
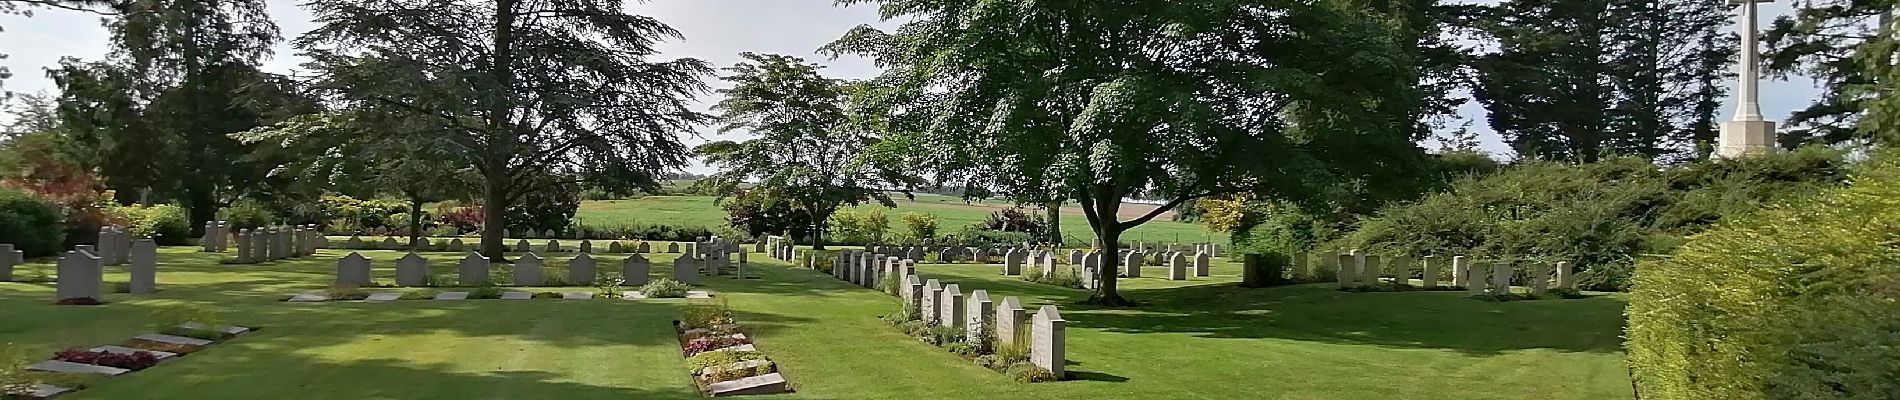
[(276, 243), (552, 246), (1157, 247), (780, 247), (1357, 268), (944, 305), (9, 258), (473, 270), (81, 272)]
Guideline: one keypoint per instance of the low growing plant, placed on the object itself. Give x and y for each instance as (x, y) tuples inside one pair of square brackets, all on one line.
[(485, 292), (665, 288), (704, 360), (1026, 372), (135, 361), (173, 348), (709, 343), (706, 316)]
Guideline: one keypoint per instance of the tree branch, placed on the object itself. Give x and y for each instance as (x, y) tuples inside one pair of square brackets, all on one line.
[(1170, 206)]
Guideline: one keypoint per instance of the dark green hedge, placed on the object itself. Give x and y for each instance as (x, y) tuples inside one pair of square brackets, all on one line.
[(1794, 302), (32, 225)]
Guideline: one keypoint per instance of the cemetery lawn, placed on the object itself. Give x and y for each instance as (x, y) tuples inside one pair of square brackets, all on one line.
[(952, 214), (1202, 338)]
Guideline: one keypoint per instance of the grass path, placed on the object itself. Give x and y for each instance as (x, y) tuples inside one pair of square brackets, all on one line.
[(1202, 338)]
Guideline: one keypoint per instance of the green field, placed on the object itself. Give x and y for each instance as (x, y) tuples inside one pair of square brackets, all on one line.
[(1201, 338), (951, 213)]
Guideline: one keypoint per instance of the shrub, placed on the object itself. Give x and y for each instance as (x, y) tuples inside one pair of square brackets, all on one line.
[(462, 218), (705, 316), (977, 235), (1013, 352), (485, 292), (942, 335), (1600, 215), (758, 213), (1026, 372), (920, 225), (135, 361), (641, 231), (166, 224), (709, 343), (1789, 302), (247, 214), (550, 207), (665, 288), (705, 360), (963, 349), (1063, 277), (32, 225), (858, 226)]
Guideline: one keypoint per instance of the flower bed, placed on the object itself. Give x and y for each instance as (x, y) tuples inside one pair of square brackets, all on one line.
[(721, 357), (68, 369)]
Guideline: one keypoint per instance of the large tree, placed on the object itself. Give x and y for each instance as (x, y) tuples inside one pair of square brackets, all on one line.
[(1099, 101), (1845, 46), (1580, 80), (808, 147), (338, 151), (181, 77), (533, 89)]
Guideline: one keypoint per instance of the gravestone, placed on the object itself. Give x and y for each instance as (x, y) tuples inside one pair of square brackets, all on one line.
[(549, 234), (144, 268), (353, 270), (1009, 321), (672, 248), (1539, 281), (1369, 269), (1092, 259), (1347, 270), (1202, 265), (1046, 341), (1460, 271), (243, 238), (614, 247), (522, 246), (634, 270), (106, 241), (1075, 257), (930, 306), (455, 245), (81, 276), (758, 246), (1013, 262), (389, 243), (528, 272), (472, 271), (1131, 264), (355, 242), (1501, 278), (554, 246), (1474, 284), (210, 239), (8, 259), (586, 246), (505, 234), (412, 270), (950, 306), (1177, 267), (1566, 276), (424, 244), (686, 269), (643, 247), (915, 254), (1401, 269), (978, 311), (581, 270), (1428, 276)]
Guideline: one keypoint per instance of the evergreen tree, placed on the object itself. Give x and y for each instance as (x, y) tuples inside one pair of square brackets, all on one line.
[(1846, 46)]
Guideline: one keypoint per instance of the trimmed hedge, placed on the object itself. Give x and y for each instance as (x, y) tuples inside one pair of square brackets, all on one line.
[(1793, 302), (31, 224), (165, 224)]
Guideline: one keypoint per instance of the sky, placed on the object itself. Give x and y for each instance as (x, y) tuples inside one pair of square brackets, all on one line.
[(715, 31)]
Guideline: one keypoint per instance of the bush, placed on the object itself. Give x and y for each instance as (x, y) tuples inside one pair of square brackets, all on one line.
[(942, 335), (1601, 215), (920, 226), (1063, 277), (1026, 372), (858, 226), (759, 213), (135, 361), (1790, 302), (247, 214), (550, 208), (166, 224), (706, 316), (665, 288), (666, 233), (32, 225)]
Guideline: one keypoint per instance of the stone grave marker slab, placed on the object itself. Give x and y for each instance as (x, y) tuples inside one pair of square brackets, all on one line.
[(451, 296), (516, 295), (698, 294), (762, 384), (159, 337), (632, 294), (383, 296), (577, 296), (311, 297), (75, 368), (228, 330), (45, 391)]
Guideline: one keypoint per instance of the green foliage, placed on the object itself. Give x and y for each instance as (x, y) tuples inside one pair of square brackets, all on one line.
[(706, 315), (858, 226), (665, 288), (1063, 277), (980, 235), (32, 225), (1602, 216), (485, 292), (1790, 302), (167, 224), (942, 335), (919, 225), (711, 359), (653, 232), (758, 214), (1025, 372), (247, 214), (551, 207)]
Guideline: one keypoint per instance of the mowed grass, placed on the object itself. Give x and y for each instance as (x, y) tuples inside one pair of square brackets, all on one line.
[(1202, 338), (952, 214)]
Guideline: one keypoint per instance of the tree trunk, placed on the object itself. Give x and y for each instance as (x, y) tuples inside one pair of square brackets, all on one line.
[(1105, 291), (1054, 235), (415, 221), (818, 229), (494, 218)]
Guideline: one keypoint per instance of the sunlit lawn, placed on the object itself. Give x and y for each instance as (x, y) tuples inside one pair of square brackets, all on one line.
[(1202, 338)]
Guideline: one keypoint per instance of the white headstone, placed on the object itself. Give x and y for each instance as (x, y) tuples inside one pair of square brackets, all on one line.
[(353, 270), (528, 272), (950, 306), (412, 270), (473, 270), (1046, 341)]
